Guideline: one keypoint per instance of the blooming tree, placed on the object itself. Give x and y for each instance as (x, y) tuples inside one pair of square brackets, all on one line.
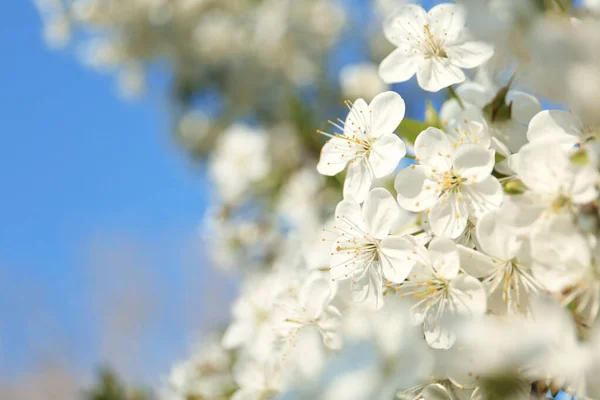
[(461, 260)]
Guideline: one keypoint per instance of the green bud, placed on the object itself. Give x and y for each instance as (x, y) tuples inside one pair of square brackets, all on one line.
[(580, 157), (514, 186)]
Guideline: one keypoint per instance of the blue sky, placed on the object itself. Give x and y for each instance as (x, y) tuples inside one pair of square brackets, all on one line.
[(87, 177)]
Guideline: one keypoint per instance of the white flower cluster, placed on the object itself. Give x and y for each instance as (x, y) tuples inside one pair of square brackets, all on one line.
[(462, 262)]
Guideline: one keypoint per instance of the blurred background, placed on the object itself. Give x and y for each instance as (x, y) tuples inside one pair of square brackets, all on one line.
[(110, 112)]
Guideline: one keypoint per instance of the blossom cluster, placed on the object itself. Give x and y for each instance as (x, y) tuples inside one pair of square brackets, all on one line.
[(459, 264), (451, 258)]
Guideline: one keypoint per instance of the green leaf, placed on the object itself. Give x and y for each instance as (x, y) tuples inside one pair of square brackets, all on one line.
[(410, 129)]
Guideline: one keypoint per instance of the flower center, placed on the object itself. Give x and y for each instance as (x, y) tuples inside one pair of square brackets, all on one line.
[(432, 46), (449, 181)]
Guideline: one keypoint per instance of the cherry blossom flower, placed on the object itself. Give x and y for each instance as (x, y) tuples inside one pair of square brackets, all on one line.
[(556, 184), (309, 307), (366, 144), (503, 263), (364, 252), (451, 183), (439, 289), (434, 45)]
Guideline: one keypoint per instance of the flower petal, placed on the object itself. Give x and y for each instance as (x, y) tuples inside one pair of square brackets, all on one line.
[(387, 111), (524, 106), (403, 26), (236, 334), (448, 217), (357, 120), (386, 153), (474, 262), (359, 179), (469, 295), (473, 162), (496, 238), (432, 148), (444, 257), (469, 54), (379, 211), (554, 125), (415, 190), (315, 294), (483, 197), (447, 21), (349, 214), (368, 289), (436, 329), (435, 391), (400, 65), (335, 155), (436, 73), (397, 258)]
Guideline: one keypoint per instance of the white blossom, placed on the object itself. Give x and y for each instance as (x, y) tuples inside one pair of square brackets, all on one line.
[(451, 183), (433, 45), (366, 144), (439, 289), (364, 252)]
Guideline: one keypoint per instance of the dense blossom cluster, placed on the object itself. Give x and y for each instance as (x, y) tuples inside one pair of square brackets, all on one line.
[(460, 263), (462, 258)]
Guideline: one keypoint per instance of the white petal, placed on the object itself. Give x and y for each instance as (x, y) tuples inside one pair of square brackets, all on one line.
[(359, 179), (387, 111), (475, 263), (357, 120), (554, 125), (436, 392), (475, 93), (400, 65), (236, 334), (407, 18), (386, 153), (483, 197), (469, 296), (524, 106), (540, 167), (469, 126), (335, 155), (342, 262), (470, 54), (368, 289), (396, 261), (415, 191), (379, 212), (437, 332), (444, 257), (447, 21), (315, 295), (496, 238), (349, 214), (432, 148), (473, 162), (436, 73), (449, 216)]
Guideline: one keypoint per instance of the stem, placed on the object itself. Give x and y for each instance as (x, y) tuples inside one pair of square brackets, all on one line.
[(455, 95)]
